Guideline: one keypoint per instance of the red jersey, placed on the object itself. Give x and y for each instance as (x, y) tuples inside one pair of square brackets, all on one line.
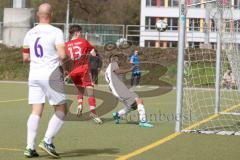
[(78, 51)]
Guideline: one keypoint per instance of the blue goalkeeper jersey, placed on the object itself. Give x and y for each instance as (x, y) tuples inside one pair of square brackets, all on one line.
[(135, 60), (136, 69)]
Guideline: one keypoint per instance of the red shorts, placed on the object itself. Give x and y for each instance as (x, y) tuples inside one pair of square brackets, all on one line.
[(81, 77)]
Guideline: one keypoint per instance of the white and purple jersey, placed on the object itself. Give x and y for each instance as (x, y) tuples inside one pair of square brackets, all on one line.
[(42, 41), (45, 78)]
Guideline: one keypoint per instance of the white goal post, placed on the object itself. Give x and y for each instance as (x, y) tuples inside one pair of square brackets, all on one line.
[(208, 80)]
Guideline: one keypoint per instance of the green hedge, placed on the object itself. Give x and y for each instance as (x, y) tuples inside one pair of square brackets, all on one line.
[(11, 65)]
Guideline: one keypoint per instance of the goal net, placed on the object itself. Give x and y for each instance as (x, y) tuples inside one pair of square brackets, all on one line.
[(211, 92)]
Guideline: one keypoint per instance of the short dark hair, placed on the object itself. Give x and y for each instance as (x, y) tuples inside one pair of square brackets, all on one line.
[(111, 56), (75, 28), (120, 56)]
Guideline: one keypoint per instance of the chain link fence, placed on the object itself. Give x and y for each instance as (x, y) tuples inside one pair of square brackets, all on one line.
[(97, 34)]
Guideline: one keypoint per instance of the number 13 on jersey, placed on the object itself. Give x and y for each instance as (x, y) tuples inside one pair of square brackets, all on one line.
[(75, 52)]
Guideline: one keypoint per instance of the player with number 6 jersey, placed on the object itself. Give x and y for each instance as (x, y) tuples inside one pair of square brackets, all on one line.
[(42, 41), (78, 50), (44, 47)]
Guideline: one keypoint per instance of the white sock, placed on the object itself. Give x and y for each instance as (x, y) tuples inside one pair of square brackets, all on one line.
[(32, 127), (141, 111), (123, 111), (54, 126)]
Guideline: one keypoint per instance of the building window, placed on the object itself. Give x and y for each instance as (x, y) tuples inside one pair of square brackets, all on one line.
[(149, 43), (238, 46), (213, 25), (150, 22), (194, 24), (173, 3), (151, 3), (194, 44), (172, 44), (161, 44), (214, 45), (227, 25), (198, 5), (162, 3), (236, 4), (173, 24), (231, 25), (236, 26)]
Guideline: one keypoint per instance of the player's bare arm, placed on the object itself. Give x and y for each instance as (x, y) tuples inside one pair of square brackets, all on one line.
[(131, 61), (93, 53), (123, 71), (62, 56), (61, 52), (26, 54)]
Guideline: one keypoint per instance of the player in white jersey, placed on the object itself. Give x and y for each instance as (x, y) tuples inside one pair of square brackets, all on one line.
[(130, 99), (43, 46)]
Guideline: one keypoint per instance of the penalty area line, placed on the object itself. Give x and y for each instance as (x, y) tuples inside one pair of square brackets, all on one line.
[(150, 146), (13, 100), (172, 136), (11, 149)]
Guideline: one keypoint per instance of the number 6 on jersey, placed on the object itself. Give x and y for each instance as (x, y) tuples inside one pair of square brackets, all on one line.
[(38, 48)]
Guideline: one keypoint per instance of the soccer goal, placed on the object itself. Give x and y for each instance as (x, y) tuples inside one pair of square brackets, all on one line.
[(208, 87)]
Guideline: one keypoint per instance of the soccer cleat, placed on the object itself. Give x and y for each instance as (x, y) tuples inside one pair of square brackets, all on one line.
[(49, 148), (29, 153), (95, 118), (116, 117), (145, 125)]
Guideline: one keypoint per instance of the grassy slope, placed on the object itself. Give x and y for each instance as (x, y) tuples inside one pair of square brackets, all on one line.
[(11, 65)]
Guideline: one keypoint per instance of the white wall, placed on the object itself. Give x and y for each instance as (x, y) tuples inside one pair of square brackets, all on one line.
[(16, 23)]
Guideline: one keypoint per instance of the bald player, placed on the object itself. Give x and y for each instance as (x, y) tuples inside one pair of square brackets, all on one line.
[(43, 46)]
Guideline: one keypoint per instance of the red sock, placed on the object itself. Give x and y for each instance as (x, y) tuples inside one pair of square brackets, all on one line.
[(92, 104)]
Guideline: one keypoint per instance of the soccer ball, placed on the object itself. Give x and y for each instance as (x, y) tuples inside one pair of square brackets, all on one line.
[(161, 25)]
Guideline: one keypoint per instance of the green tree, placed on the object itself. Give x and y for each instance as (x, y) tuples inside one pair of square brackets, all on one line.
[(90, 11)]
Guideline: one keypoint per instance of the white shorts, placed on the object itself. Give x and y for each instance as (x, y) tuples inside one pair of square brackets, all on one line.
[(120, 91), (40, 88)]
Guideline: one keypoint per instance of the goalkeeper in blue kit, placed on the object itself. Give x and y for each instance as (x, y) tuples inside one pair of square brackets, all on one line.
[(136, 72)]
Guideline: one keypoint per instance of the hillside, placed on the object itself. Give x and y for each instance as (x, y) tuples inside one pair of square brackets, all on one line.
[(12, 67)]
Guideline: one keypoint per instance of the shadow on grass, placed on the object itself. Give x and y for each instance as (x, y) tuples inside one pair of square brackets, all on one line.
[(122, 121), (89, 152), (107, 120)]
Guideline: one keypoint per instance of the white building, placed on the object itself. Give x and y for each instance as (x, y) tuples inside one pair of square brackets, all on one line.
[(168, 10)]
